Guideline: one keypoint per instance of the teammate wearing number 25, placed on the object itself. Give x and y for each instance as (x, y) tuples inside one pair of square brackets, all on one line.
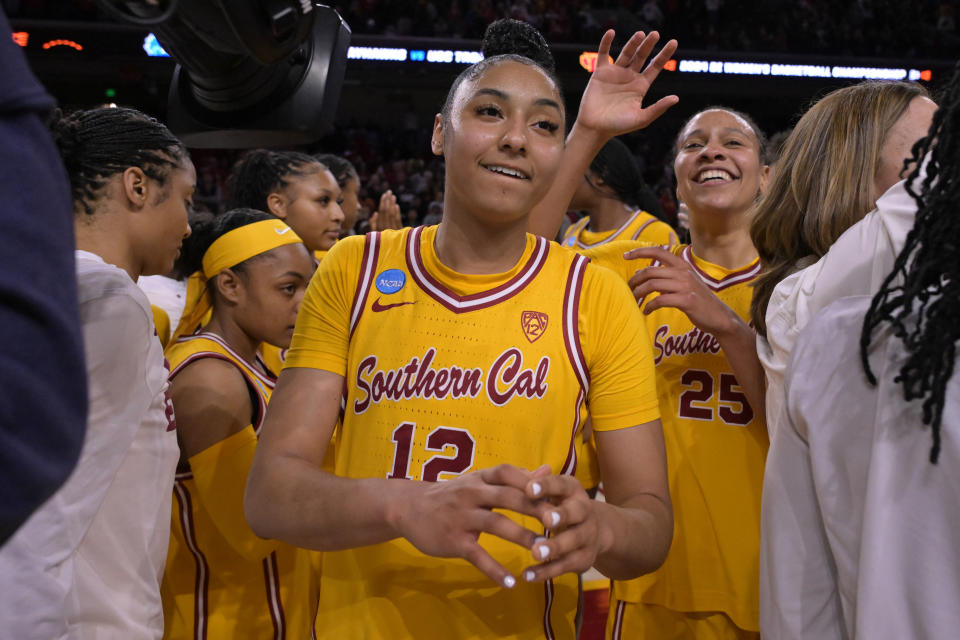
[(468, 353), (697, 299)]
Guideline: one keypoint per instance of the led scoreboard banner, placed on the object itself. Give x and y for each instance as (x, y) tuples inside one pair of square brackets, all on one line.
[(587, 60), (109, 39)]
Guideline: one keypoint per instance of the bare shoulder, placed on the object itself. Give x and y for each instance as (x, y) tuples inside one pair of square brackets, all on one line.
[(211, 400)]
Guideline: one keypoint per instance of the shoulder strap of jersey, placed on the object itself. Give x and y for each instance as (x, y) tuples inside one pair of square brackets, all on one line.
[(209, 345), (571, 340), (368, 268), (573, 231), (643, 226)]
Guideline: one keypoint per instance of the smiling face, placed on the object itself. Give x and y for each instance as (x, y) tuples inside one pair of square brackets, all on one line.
[(502, 142), (718, 164), (271, 289), (310, 204)]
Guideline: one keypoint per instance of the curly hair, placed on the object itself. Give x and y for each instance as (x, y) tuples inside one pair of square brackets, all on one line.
[(920, 298)]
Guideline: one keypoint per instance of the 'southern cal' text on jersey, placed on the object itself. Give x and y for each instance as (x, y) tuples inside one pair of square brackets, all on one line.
[(449, 373)]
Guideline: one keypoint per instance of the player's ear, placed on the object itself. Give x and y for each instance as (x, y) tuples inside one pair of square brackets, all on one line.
[(277, 205), (229, 286), (436, 142), (134, 185), (764, 179)]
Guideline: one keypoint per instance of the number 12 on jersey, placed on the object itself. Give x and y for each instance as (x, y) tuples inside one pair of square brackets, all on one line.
[(454, 447)]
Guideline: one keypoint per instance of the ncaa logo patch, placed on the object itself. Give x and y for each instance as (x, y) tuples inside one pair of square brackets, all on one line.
[(391, 281), (533, 323)]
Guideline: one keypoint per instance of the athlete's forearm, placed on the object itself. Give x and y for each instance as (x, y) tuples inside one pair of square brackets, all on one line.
[(634, 538), (582, 146), (290, 499)]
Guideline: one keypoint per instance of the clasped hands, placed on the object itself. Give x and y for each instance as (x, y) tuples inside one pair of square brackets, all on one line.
[(444, 519)]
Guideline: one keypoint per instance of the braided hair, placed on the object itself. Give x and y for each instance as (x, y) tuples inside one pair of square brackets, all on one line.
[(99, 143), (341, 168), (614, 164), (261, 172), (205, 232), (920, 298), (506, 39)]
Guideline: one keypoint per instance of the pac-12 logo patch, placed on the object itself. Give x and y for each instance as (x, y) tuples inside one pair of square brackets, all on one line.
[(391, 281), (533, 323)]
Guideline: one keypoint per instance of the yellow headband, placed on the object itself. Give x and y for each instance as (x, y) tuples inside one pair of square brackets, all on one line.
[(229, 250), (244, 242)]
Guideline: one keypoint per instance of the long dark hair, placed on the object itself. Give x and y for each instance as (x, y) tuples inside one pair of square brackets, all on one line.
[(920, 298)]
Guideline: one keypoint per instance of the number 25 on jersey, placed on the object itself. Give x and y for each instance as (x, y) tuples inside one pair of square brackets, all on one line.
[(696, 401)]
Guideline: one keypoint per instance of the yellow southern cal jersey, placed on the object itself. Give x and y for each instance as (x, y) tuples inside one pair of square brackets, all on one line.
[(221, 580), (449, 373), (642, 226), (716, 448)]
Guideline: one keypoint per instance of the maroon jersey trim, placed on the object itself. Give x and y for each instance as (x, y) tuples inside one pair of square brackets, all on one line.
[(737, 277), (371, 253), (460, 304)]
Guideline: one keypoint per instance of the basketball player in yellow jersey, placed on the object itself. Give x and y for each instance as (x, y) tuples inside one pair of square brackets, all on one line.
[(467, 352), (697, 299), (221, 580), (617, 202)]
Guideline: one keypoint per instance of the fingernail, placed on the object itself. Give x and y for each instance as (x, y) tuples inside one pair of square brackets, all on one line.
[(529, 575), (535, 487), (554, 518), (539, 539), (543, 551), (509, 581)]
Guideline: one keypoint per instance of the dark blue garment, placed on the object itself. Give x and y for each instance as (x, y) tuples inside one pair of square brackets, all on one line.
[(43, 389)]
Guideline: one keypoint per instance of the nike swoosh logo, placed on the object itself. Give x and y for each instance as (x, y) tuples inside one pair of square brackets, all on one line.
[(281, 232), (376, 306)]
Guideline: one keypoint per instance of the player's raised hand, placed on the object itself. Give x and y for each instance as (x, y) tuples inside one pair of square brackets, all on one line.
[(387, 215), (679, 286), (444, 519), (613, 102), (570, 517)]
